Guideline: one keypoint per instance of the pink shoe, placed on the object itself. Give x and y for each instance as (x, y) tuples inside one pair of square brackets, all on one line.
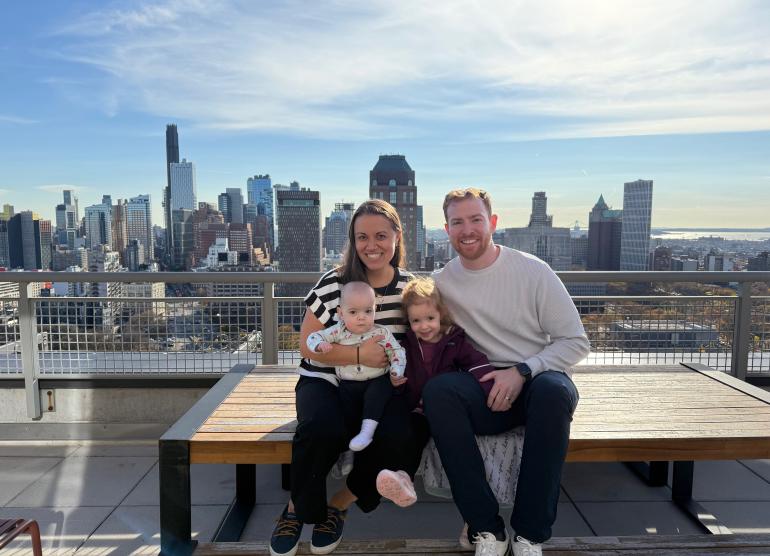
[(396, 486)]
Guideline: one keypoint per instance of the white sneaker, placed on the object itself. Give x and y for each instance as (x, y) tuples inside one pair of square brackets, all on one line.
[(488, 545), (522, 547)]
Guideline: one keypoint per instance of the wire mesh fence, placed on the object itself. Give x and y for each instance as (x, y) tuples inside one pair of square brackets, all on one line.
[(10, 337), (759, 341), (187, 335), (148, 336), (659, 330)]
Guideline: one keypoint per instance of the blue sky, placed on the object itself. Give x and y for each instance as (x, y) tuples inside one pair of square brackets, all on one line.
[(572, 98)]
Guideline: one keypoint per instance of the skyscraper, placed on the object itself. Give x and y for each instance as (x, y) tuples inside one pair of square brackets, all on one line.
[(538, 217), (183, 186), (67, 220), (5, 255), (259, 191), (604, 232), (139, 225), (298, 214), (119, 229), (392, 179), (540, 238), (172, 155), (637, 216), (231, 205), (98, 226), (335, 233), (420, 240), (184, 239), (29, 241)]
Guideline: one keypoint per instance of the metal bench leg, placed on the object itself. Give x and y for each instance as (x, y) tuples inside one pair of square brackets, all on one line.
[(286, 476), (240, 509), (681, 494), (654, 473), (175, 500)]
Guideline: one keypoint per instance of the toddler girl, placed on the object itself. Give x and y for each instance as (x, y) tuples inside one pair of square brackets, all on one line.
[(434, 345)]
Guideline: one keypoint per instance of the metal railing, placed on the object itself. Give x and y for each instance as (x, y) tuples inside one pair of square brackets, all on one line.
[(109, 337)]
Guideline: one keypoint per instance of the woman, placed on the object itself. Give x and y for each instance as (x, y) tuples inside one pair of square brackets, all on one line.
[(374, 254)]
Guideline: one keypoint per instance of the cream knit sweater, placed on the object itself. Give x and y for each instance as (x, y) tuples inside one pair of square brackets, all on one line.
[(515, 310)]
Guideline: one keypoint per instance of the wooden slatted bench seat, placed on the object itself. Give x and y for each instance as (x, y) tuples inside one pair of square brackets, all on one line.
[(678, 414)]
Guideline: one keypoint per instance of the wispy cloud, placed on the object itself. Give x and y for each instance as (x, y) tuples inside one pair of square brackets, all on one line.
[(16, 120), (4, 191), (57, 188), (505, 70)]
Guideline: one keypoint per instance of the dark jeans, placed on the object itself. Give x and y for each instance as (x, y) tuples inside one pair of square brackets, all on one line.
[(364, 399), (456, 409), (420, 437), (321, 435)]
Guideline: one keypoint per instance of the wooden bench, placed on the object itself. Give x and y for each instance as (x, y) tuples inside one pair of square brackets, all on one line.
[(678, 414)]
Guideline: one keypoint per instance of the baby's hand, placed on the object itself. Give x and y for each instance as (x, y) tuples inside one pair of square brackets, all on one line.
[(324, 347), (396, 380)]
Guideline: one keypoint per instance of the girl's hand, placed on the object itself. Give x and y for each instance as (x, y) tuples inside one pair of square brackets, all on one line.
[(397, 381)]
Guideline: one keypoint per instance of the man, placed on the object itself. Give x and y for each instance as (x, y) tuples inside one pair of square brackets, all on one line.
[(517, 311)]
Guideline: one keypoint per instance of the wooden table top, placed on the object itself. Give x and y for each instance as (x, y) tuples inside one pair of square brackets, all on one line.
[(643, 413)]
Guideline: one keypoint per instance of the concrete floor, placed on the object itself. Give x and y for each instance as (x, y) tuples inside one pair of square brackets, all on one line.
[(102, 499)]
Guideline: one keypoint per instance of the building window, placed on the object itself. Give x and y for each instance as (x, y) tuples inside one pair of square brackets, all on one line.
[(393, 197), (392, 183), (374, 183), (409, 183)]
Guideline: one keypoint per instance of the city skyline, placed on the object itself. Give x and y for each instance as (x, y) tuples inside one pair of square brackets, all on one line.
[(468, 101)]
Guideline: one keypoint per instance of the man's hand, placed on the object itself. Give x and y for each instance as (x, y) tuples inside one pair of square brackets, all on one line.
[(507, 387), (372, 354), (397, 381)]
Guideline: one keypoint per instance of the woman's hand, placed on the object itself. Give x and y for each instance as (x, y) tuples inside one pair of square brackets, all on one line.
[(372, 354), (397, 381)]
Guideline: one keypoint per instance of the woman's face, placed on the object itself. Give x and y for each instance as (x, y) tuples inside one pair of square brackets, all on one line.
[(375, 241)]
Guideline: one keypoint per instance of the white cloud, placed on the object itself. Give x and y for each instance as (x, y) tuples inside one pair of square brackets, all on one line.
[(16, 120), (57, 188), (499, 70)]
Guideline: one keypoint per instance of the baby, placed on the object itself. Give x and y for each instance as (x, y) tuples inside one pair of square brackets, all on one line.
[(364, 391)]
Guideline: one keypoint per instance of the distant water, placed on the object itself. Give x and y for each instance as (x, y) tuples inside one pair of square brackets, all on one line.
[(733, 235)]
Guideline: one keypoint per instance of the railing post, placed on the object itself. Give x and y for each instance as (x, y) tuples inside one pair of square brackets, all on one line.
[(269, 326), (29, 357), (740, 356)]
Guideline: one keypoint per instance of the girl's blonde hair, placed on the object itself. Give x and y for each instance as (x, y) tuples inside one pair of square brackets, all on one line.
[(423, 290)]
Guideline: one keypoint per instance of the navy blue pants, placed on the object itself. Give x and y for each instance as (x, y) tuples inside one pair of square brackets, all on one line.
[(322, 434), (456, 408)]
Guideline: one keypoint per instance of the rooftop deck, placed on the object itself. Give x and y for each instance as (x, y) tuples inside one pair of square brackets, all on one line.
[(101, 498)]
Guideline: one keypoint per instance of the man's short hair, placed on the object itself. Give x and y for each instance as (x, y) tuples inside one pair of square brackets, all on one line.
[(467, 193)]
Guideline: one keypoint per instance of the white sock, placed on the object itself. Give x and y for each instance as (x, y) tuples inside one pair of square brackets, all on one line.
[(363, 438)]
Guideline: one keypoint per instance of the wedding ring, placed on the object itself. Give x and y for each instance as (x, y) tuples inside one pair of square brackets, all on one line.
[(507, 398)]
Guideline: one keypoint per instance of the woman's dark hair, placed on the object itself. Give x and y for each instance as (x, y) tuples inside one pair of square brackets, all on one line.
[(352, 268)]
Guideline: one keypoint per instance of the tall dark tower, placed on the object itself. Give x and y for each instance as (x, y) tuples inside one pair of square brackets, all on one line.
[(604, 233), (392, 180), (172, 155)]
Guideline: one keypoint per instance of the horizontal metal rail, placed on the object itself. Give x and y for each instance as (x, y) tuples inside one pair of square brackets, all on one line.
[(203, 336)]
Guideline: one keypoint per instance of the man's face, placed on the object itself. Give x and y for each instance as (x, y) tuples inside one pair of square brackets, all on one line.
[(470, 228)]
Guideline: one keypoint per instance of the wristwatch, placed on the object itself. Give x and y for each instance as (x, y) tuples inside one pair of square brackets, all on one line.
[(524, 371)]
